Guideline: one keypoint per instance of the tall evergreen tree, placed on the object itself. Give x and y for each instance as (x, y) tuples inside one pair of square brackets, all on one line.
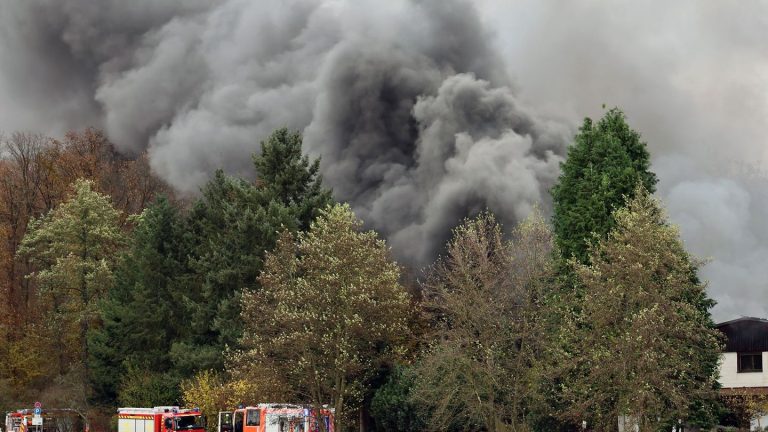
[(290, 177), (604, 165), (142, 313), (232, 226)]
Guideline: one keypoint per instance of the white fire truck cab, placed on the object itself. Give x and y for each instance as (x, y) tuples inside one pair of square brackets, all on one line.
[(275, 418), (160, 419)]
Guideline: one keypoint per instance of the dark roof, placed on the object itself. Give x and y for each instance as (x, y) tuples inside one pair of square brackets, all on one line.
[(746, 334)]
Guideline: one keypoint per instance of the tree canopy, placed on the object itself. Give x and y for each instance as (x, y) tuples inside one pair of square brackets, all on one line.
[(329, 310), (604, 165), (485, 297), (645, 343), (143, 312), (73, 248), (230, 228)]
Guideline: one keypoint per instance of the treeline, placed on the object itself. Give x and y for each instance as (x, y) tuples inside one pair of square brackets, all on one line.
[(118, 293), (36, 177)]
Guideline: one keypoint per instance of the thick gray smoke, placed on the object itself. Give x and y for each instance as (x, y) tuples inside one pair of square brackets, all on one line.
[(692, 76), (407, 102), (410, 105)]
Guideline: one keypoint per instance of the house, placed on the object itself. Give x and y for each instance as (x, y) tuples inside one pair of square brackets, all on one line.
[(744, 362)]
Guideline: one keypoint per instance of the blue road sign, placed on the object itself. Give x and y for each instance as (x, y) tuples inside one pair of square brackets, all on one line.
[(38, 410)]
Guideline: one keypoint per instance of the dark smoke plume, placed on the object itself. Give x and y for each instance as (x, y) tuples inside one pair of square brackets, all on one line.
[(407, 102), (410, 105)]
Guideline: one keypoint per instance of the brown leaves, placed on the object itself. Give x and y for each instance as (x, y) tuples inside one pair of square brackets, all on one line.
[(36, 174)]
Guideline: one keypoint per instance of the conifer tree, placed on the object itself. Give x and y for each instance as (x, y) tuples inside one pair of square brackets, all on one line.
[(289, 177), (604, 165), (232, 226), (143, 314)]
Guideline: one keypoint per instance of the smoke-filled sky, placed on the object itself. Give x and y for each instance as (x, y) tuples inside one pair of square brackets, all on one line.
[(423, 110)]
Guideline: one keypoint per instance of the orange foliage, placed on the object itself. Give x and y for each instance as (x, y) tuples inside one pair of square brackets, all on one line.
[(35, 176)]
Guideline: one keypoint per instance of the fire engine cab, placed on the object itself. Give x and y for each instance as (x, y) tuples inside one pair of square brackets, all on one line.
[(275, 418), (160, 419)]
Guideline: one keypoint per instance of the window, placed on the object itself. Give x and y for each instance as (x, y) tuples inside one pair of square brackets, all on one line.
[(225, 421), (238, 421), (750, 362), (189, 422), (253, 418)]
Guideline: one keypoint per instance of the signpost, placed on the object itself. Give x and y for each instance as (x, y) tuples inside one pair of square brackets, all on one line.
[(37, 419)]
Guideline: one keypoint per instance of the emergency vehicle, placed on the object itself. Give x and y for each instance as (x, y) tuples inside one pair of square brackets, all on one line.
[(275, 418), (160, 419), (54, 420)]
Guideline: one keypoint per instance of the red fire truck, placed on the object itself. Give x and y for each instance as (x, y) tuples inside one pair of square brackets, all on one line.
[(160, 419), (51, 420), (275, 418)]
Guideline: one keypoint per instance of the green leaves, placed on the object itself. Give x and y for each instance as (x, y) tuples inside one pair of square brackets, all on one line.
[(392, 406), (483, 368), (646, 347), (179, 286), (142, 313), (73, 248), (329, 312), (290, 178), (233, 225), (604, 166)]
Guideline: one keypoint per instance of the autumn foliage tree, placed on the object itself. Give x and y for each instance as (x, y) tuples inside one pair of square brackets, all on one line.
[(329, 311), (36, 175)]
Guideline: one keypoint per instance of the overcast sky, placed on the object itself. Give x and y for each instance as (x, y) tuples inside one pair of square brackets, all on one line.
[(692, 77), (198, 82)]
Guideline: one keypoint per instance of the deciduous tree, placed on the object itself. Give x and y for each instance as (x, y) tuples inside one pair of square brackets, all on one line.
[(73, 248), (644, 342), (329, 311), (485, 296)]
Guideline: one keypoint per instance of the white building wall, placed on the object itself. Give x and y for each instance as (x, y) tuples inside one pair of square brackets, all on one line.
[(730, 377)]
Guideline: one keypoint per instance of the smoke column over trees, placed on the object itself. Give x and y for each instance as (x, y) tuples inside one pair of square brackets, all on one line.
[(407, 102), (692, 77), (410, 104)]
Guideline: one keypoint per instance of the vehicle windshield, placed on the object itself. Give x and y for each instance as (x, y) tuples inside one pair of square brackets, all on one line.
[(188, 422)]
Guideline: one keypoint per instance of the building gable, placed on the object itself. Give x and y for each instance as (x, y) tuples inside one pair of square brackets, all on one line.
[(745, 335)]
